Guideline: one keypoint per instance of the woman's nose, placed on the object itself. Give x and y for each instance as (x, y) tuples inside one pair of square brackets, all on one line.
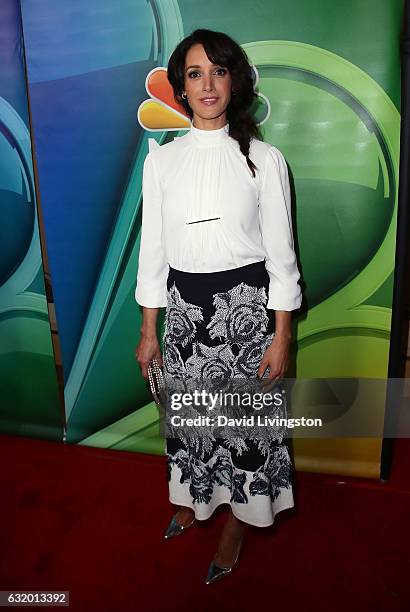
[(208, 83)]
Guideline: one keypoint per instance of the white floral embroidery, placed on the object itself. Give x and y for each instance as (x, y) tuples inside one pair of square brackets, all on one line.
[(240, 314), (240, 323), (181, 318)]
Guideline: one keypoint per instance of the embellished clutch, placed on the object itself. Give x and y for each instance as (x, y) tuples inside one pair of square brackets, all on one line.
[(156, 381)]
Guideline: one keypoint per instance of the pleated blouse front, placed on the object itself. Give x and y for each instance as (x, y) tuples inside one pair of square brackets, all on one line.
[(203, 211)]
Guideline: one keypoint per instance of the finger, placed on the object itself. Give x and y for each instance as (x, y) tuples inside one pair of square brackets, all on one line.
[(266, 380), (277, 378), (262, 367), (273, 376), (144, 364), (268, 386)]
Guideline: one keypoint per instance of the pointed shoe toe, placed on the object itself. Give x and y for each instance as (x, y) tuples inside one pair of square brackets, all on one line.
[(216, 572), (174, 528)]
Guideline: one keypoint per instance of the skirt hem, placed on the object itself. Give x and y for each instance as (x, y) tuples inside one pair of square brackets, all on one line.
[(221, 503)]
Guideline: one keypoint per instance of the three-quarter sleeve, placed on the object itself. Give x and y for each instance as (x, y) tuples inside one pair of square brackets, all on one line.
[(151, 288), (277, 234)]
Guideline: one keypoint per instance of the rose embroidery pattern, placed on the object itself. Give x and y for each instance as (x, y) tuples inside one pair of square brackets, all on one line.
[(181, 318), (240, 322), (239, 315)]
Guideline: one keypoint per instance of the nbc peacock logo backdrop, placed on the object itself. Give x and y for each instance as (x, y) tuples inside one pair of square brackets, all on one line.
[(161, 111), (330, 104)]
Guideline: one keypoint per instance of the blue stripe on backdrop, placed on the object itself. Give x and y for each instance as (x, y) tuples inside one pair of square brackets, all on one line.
[(29, 394), (86, 67), (69, 38)]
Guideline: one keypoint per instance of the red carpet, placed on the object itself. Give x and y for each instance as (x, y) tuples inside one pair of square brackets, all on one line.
[(91, 522)]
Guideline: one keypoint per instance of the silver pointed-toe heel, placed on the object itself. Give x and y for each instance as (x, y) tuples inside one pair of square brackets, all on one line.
[(174, 528), (215, 572)]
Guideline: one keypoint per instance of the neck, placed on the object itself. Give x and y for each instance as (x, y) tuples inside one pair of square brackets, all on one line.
[(209, 124), (205, 138)]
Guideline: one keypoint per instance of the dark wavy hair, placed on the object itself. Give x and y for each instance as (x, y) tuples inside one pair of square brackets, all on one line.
[(224, 51)]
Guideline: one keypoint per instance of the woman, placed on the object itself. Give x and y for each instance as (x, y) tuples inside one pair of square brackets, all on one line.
[(217, 251)]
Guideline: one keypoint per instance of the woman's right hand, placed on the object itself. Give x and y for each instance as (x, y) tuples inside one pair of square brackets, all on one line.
[(147, 348)]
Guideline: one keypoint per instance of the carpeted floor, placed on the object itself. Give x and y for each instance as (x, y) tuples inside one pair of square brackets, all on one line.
[(91, 521)]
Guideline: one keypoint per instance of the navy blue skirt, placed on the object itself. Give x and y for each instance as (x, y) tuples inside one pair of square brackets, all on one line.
[(217, 326)]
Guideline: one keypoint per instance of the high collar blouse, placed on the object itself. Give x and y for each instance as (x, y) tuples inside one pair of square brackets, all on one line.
[(203, 211)]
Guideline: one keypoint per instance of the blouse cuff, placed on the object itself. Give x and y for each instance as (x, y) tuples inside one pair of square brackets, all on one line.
[(151, 295), (283, 298)]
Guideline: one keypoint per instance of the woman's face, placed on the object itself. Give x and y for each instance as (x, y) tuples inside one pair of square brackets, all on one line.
[(207, 86)]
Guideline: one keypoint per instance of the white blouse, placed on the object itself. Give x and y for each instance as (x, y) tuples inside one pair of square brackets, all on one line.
[(203, 211)]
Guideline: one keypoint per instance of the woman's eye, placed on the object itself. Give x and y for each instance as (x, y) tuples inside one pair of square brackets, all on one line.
[(221, 71)]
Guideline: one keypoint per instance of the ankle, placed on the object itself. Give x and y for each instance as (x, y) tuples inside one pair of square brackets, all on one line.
[(235, 524), (185, 515), (228, 549), (185, 510)]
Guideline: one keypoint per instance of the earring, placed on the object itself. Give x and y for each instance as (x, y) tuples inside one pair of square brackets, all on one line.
[(184, 96), (233, 92)]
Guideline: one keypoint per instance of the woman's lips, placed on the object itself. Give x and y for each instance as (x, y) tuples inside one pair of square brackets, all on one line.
[(209, 101)]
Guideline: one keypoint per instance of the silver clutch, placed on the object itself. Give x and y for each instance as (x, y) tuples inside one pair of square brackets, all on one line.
[(156, 381)]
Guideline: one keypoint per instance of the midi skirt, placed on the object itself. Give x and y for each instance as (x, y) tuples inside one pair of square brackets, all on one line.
[(217, 327)]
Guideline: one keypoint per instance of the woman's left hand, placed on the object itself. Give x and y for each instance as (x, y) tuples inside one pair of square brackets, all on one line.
[(276, 357)]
